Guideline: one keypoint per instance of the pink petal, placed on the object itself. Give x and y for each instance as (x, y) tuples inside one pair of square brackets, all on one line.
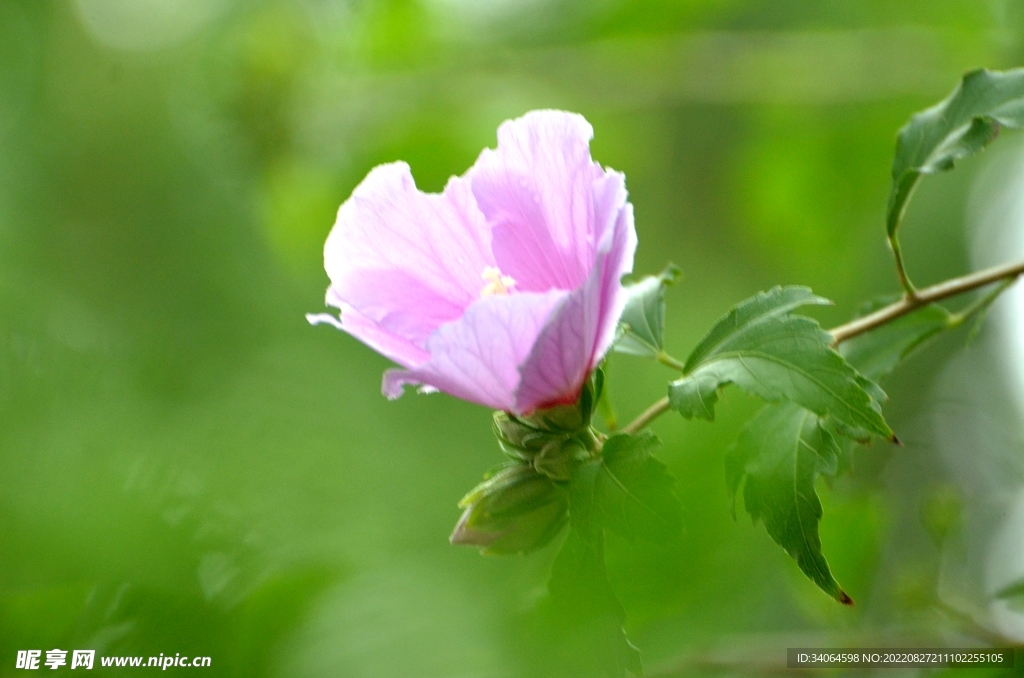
[(535, 191), (388, 344), (406, 261), (399, 303), (620, 229), (406, 268), (477, 357), (582, 329)]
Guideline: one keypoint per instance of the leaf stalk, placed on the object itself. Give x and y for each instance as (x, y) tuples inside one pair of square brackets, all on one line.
[(647, 416), (901, 270), (666, 359)]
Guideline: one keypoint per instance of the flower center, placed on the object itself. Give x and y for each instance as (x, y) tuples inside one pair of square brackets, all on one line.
[(496, 282)]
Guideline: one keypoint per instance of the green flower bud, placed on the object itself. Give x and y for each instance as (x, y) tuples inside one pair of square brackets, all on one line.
[(514, 510), (561, 418), (518, 438), (522, 505), (559, 458), (556, 440)]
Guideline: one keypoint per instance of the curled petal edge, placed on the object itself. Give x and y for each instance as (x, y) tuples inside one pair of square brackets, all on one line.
[(590, 315)]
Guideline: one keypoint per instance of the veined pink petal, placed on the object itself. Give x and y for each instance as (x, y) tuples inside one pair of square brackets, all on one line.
[(407, 261), (399, 303), (477, 358), (505, 289), (535, 190), (388, 344), (618, 225), (582, 329)]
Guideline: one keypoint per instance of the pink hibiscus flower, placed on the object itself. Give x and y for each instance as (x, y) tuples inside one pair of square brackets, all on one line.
[(504, 290)]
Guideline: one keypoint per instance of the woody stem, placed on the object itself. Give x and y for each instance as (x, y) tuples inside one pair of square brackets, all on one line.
[(1005, 274)]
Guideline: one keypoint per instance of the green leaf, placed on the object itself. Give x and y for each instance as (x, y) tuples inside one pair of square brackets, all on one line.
[(770, 353), (643, 319), (580, 589), (957, 127), (780, 453), (627, 491), (514, 510), (876, 354)]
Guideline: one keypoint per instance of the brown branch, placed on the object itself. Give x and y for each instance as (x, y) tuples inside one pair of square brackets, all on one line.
[(922, 297), (908, 304)]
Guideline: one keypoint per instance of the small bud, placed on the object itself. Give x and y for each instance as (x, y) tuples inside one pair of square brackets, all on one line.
[(558, 459), (516, 510), (555, 440), (518, 438)]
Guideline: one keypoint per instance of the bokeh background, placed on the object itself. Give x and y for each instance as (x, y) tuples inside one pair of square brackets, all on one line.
[(187, 467)]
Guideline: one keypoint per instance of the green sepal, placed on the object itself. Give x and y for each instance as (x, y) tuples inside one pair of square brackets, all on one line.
[(518, 438), (643, 319), (514, 510)]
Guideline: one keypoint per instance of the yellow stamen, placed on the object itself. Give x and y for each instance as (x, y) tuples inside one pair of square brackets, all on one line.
[(496, 282)]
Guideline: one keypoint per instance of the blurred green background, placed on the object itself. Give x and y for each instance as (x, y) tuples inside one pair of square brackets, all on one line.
[(187, 467)]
